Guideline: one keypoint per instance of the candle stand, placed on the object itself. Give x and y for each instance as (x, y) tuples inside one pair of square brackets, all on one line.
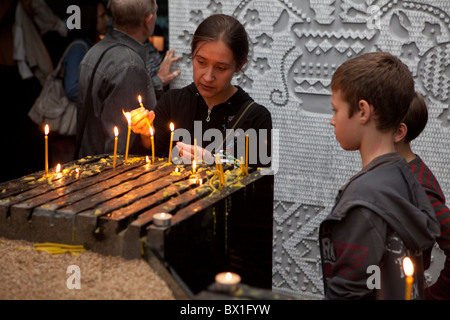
[(111, 212)]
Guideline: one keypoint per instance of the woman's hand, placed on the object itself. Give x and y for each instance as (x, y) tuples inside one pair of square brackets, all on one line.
[(141, 121), (187, 153)]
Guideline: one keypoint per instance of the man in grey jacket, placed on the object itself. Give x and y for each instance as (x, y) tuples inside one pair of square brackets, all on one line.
[(120, 78)]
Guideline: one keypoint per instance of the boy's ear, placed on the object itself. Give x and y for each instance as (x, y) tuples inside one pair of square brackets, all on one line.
[(365, 111), (400, 134)]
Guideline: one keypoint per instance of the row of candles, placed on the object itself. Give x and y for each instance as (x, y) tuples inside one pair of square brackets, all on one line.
[(172, 128)]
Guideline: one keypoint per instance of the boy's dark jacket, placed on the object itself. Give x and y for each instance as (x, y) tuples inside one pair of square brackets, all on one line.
[(388, 189)]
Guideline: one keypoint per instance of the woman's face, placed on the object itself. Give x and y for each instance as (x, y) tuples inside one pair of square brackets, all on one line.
[(102, 19), (213, 68)]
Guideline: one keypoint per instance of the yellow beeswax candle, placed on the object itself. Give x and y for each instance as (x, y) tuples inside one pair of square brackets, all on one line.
[(171, 138), (47, 130), (116, 133)]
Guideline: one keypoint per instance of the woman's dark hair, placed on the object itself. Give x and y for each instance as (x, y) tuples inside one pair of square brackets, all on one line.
[(227, 29)]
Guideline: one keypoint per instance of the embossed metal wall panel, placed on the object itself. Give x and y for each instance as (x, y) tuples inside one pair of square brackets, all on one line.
[(296, 45)]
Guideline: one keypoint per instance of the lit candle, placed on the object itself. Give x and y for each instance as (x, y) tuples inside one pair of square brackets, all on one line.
[(171, 138), (408, 269), (162, 219), (116, 133), (46, 148), (227, 281), (246, 154), (128, 116), (140, 101), (194, 164), (220, 170), (153, 144), (242, 166)]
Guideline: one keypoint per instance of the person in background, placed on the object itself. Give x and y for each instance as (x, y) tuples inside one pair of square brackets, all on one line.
[(94, 24), (24, 65), (159, 67), (120, 78), (411, 127), (383, 205)]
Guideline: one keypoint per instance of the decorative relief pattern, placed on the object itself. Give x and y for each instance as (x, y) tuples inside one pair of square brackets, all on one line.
[(296, 46)]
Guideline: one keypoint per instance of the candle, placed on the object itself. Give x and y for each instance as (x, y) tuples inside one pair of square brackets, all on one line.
[(246, 153), (171, 138), (116, 133), (128, 116), (220, 171), (242, 166), (58, 171), (227, 281), (140, 101), (153, 143), (162, 219), (194, 164), (46, 148), (408, 269)]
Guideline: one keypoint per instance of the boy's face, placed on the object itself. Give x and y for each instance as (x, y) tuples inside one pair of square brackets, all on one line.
[(346, 129)]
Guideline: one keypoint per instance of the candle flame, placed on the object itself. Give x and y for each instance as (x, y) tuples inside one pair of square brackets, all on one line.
[(172, 127), (163, 215), (128, 116), (408, 267), (47, 129), (228, 276), (140, 99), (151, 131), (176, 169), (147, 159), (58, 168), (194, 165), (116, 131), (200, 182)]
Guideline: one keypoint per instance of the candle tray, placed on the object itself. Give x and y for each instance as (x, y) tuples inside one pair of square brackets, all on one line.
[(110, 211)]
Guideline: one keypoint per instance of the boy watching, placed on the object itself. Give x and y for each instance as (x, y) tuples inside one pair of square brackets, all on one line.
[(383, 205), (410, 128)]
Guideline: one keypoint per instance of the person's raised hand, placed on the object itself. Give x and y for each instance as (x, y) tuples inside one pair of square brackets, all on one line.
[(165, 73)]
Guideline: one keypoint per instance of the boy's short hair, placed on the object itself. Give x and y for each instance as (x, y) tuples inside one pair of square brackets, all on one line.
[(416, 118), (382, 80)]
